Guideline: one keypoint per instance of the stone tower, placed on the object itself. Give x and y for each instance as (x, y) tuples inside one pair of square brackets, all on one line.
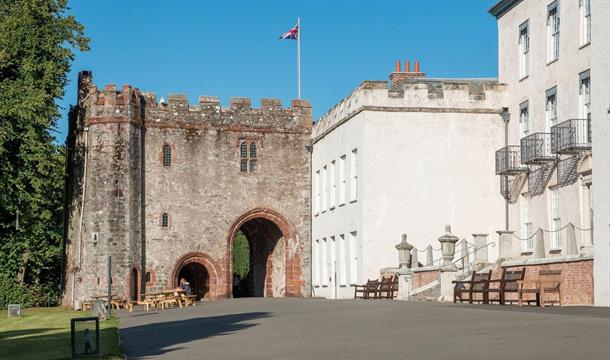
[(164, 187)]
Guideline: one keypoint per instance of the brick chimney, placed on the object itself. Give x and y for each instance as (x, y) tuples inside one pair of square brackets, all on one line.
[(399, 77)]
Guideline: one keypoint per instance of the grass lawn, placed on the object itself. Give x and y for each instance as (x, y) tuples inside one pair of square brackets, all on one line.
[(44, 333)]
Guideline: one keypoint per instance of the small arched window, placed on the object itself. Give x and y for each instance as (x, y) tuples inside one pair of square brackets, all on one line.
[(248, 154), (165, 220), (167, 155), (253, 150)]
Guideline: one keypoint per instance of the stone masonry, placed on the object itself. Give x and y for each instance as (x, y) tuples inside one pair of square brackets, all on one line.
[(119, 189)]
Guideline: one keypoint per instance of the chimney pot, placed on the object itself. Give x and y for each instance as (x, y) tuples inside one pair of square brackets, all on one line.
[(417, 66), (407, 66), (397, 69)]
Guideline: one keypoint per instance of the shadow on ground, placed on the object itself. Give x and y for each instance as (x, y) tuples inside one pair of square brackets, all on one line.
[(159, 338), (50, 344)]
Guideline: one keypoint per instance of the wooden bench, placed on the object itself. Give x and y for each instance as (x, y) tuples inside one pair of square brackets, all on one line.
[(508, 283), (549, 281), (478, 284), (388, 287), (365, 290)]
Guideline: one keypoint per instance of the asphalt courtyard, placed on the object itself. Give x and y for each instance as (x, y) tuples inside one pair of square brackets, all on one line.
[(260, 328)]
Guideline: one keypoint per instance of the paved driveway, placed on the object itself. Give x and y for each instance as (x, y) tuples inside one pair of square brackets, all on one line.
[(350, 329)]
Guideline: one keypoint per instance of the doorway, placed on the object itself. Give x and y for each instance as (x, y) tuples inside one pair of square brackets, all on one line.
[(197, 276)]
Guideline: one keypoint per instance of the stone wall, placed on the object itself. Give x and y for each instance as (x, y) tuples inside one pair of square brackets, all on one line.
[(577, 286), (120, 136)]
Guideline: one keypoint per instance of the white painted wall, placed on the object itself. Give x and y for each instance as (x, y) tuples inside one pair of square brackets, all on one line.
[(600, 73), (423, 163), (563, 73)]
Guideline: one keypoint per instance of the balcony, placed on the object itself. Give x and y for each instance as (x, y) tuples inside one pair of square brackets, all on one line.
[(571, 136), (536, 149), (508, 161)]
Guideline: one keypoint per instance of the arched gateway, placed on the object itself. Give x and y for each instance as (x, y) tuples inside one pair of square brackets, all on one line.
[(271, 238), (169, 184)]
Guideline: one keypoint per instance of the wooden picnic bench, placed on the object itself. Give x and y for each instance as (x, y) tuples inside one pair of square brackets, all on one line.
[(508, 283), (477, 284), (549, 281)]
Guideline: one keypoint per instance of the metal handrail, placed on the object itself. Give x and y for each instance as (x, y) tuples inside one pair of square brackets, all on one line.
[(508, 159), (571, 135), (493, 244), (536, 147)]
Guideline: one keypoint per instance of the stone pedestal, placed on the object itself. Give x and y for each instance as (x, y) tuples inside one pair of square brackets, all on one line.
[(505, 242), (404, 284), (481, 256), (447, 276)]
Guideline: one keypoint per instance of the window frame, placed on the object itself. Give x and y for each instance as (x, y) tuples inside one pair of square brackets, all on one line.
[(166, 155), (354, 176), (584, 93), (248, 164), (524, 49), (333, 186), (318, 196), (524, 127), (585, 22), (553, 30), (555, 220), (342, 180), (551, 112), (165, 220)]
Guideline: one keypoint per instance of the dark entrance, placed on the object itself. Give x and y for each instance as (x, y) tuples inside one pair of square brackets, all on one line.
[(198, 278), (133, 285), (266, 272)]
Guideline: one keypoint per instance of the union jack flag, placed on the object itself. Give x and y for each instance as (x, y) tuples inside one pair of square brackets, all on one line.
[(291, 34)]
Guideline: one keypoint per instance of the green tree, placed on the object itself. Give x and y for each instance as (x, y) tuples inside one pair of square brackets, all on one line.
[(38, 39), (241, 255)]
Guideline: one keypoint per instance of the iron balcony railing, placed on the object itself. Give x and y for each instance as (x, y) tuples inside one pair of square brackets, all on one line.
[(508, 160), (571, 136), (536, 149)]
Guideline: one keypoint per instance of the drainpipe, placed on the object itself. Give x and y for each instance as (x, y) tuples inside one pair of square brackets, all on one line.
[(309, 148), (506, 118), (82, 210)]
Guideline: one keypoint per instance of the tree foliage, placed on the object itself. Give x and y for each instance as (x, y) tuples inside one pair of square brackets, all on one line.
[(38, 39), (241, 255)]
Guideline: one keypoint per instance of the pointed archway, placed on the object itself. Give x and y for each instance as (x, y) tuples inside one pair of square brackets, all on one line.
[(275, 268)]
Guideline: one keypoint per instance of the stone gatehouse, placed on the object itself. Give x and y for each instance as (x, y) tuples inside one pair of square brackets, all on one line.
[(163, 187)]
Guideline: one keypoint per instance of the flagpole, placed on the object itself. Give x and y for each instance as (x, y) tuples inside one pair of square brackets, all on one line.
[(299, 56)]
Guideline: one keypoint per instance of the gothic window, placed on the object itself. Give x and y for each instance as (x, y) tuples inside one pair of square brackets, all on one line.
[(165, 220), (167, 155), (248, 156)]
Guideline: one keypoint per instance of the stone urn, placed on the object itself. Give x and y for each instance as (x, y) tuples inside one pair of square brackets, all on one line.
[(448, 246), (404, 252)]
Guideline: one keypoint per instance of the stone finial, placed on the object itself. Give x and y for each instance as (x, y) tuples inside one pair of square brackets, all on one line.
[(448, 246), (429, 256), (404, 252)]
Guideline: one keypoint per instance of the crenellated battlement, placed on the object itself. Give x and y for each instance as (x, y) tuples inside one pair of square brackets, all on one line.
[(129, 105)]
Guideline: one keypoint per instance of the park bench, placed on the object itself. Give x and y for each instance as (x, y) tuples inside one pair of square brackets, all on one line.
[(549, 281), (366, 290), (508, 283), (388, 287), (477, 284)]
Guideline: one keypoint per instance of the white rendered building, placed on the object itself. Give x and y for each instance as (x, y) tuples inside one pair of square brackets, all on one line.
[(553, 55), (409, 156)]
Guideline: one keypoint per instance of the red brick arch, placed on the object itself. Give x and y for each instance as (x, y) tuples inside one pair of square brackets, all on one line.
[(293, 263), (201, 258)]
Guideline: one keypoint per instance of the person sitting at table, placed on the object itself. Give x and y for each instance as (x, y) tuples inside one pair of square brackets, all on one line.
[(185, 286)]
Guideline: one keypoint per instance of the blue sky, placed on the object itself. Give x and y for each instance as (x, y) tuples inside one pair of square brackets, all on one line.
[(230, 48)]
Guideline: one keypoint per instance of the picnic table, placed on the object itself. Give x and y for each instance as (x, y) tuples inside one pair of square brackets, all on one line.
[(166, 299)]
